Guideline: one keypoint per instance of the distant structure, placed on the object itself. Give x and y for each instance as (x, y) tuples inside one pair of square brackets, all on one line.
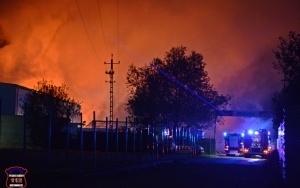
[(12, 120), (111, 91), (266, 114), (11, 96), (11, 115)]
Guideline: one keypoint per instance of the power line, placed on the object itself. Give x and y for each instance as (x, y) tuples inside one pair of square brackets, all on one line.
[(118, 30), (118, 33), (173, 79), (99, 11), (87, 33)]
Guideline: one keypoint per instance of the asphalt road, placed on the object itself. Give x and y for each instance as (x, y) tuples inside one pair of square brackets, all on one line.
[(204, 171), (198, 172)]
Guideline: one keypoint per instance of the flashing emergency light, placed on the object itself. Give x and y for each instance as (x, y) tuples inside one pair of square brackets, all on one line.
[(256, 132), (226, 148), (225, 133), (269, 133), (166, 132), (280, 133), (243, 134), (250, 131)]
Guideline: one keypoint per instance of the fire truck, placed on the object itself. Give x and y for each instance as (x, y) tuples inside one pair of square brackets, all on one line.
[(234, 144), (257, 143)]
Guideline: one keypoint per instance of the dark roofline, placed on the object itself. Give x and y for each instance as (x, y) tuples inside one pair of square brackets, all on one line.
[(16, 85)]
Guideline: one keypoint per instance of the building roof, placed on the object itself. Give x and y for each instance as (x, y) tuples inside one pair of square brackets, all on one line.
[(14, 85)]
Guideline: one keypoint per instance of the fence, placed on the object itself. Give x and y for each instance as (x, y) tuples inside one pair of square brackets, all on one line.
[(106, 144)]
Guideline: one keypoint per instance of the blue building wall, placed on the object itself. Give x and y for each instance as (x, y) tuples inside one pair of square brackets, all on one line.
[(8, 99), (12, 96)]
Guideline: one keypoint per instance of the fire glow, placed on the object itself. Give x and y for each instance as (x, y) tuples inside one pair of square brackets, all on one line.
[(48, 40)]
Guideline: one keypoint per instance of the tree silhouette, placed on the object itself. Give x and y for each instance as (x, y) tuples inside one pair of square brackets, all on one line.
[(288, 58), (48, 101), (287, 64), (169, 90)]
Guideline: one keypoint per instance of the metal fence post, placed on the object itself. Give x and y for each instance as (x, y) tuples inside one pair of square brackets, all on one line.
[(148, 134), (95, 138), (117, 139), (126, 139), (141, 139), (153, 143), (81, 142), (162, 139), (67, 136), (49, 137), (106, 140), (156, 139), (25, 131), (134, 130)]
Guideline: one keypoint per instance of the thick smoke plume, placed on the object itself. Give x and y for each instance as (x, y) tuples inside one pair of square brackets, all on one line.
[(48, 40)]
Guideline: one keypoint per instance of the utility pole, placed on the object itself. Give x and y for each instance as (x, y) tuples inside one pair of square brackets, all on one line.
[(111, 91)]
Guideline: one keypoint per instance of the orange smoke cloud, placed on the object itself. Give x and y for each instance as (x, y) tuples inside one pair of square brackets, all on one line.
[(48, 40)]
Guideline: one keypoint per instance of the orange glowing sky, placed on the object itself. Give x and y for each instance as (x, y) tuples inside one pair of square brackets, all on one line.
[(48, 40)]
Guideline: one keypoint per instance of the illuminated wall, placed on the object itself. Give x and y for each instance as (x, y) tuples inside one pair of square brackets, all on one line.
[(11, 96), (12, 132), (12, 120)]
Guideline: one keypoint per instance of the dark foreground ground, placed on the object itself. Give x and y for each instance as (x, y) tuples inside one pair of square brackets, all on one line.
[(138, 171), (179, 174)]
